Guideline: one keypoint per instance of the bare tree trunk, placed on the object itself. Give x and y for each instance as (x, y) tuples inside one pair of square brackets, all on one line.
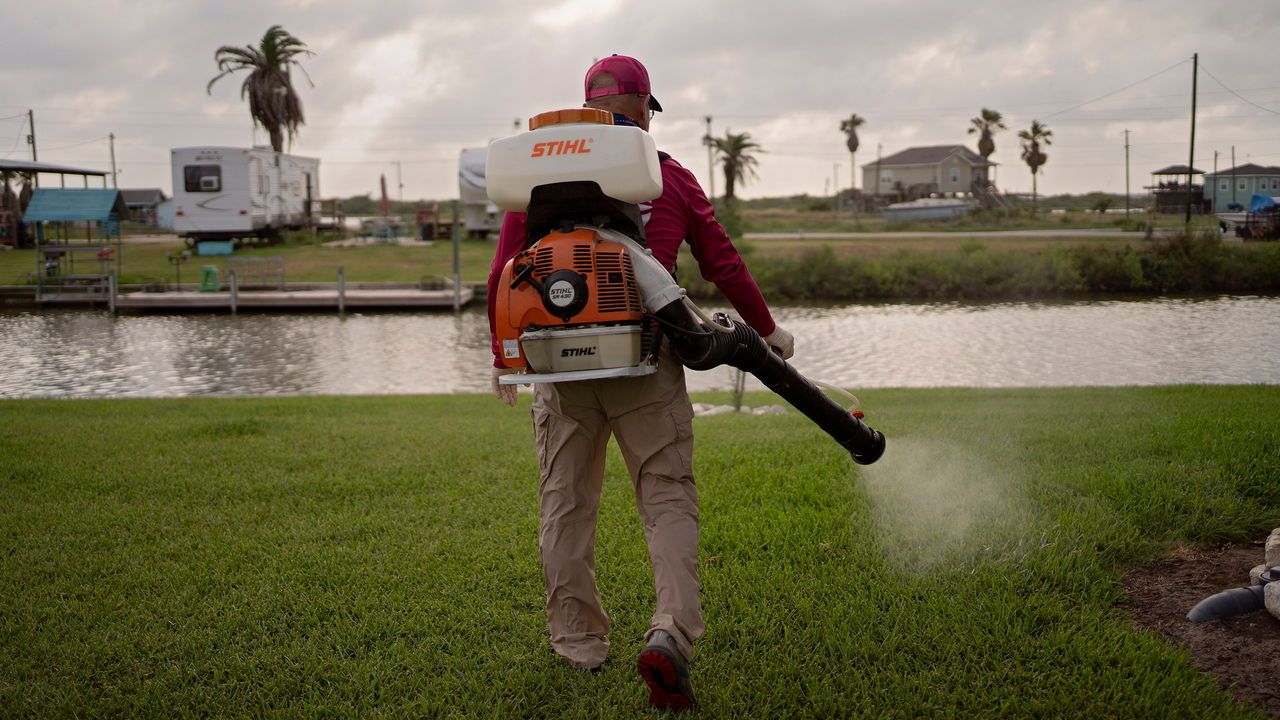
[(728, 184), (277, 139), (1033, 193)]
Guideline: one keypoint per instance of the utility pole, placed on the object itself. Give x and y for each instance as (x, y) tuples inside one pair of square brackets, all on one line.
[(1126, 174), (877, 190), (1215, 181), (1233, 174), (1195, 70), (835, 188), (711, 161), (515, 126), (111, 138), (399, 182), (31, 138)]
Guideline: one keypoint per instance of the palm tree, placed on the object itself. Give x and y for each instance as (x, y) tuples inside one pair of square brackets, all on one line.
[(273, 103), (1032, 139), (736, 156), (987, 123), (850, 128)]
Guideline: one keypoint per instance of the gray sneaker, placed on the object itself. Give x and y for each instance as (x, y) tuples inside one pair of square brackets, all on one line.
[(666, 673)]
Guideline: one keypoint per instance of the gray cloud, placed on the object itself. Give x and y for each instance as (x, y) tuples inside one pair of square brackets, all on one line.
[(417, 81)]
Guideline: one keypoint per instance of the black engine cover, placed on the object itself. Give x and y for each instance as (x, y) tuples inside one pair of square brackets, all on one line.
[(565, 294)]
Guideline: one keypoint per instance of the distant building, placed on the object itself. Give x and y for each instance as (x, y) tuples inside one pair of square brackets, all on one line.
[(1171, 191), (923, 171), (1235, 186), (142, 203)]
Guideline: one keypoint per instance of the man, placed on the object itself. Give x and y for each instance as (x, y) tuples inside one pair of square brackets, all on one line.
[(651, 418)]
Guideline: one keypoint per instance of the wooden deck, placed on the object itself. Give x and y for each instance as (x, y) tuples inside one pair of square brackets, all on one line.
[(388, 299)]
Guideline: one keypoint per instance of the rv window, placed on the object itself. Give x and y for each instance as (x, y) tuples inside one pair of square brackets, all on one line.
[(202, 178)]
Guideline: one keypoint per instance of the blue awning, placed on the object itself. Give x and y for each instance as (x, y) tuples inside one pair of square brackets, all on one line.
[(74, 205)]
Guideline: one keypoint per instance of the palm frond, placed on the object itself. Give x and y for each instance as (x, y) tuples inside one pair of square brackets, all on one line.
[(273, 101)]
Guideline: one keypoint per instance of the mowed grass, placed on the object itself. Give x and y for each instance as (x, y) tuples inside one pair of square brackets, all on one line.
[(325, 557)]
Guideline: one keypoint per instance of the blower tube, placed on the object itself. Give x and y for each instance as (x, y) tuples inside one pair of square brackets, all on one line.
[(700, 347)]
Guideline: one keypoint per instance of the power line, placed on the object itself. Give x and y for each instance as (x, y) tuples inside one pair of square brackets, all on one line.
[(1233, 92), (21, 126), (1120, 90), (78, 144)]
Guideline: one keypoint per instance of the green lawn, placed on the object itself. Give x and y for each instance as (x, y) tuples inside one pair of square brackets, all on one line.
[(347, 557)]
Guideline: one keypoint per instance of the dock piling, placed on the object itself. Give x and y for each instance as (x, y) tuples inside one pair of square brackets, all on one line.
[(457, 260), (235, 290), (342, 290)]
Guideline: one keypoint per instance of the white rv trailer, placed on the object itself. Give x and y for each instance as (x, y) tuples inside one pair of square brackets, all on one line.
[(479, 215), (222, 193)]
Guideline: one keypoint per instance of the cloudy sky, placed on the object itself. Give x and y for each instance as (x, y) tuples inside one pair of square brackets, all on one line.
[(415, 81)]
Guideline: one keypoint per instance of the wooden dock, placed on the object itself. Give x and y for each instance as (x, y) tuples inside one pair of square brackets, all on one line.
[(324, 299)]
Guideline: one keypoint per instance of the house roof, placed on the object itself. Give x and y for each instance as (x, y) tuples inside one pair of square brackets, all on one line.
[(28, 166), (1176, 170), (1248, 169), (931, 155), (73, 205), (143, 196)]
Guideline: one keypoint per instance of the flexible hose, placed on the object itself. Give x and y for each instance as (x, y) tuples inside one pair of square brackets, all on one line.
[(704, 317), (853, 399)]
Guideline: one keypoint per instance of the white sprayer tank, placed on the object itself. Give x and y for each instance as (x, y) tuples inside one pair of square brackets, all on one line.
[(573, 146)]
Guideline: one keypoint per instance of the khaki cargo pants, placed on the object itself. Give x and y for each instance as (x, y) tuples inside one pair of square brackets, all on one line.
[(651, 418)]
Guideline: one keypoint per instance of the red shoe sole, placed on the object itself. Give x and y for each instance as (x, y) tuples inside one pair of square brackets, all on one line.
[(660, 674)]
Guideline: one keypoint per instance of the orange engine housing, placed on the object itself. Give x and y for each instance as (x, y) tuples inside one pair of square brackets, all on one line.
[(613, 298)]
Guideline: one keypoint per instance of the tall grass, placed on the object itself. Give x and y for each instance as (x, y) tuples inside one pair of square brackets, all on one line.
[(1185, 263)]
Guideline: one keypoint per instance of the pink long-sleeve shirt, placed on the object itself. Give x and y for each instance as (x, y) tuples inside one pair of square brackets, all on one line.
[(681, 213)]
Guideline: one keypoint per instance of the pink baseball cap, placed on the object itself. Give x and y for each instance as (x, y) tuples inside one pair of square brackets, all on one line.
[(630, 75)]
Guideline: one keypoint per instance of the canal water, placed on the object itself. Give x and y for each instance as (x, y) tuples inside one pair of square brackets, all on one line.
[(1112, 342)]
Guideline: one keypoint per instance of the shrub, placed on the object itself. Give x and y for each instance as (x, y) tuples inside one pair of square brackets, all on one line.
[(1195, 263)]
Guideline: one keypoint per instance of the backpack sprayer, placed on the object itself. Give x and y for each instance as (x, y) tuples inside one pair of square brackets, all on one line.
[(586, 299)]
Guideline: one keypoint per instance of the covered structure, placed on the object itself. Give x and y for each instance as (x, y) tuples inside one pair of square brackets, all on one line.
[(57, 277), (18, 181), (1172, 193)]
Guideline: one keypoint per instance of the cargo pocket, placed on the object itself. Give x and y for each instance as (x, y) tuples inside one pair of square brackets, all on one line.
[(551, 433), (541, 421), (683, 416), (658, 442)]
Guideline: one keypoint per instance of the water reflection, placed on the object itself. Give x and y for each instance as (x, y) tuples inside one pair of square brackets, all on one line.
[(1162, 341)]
